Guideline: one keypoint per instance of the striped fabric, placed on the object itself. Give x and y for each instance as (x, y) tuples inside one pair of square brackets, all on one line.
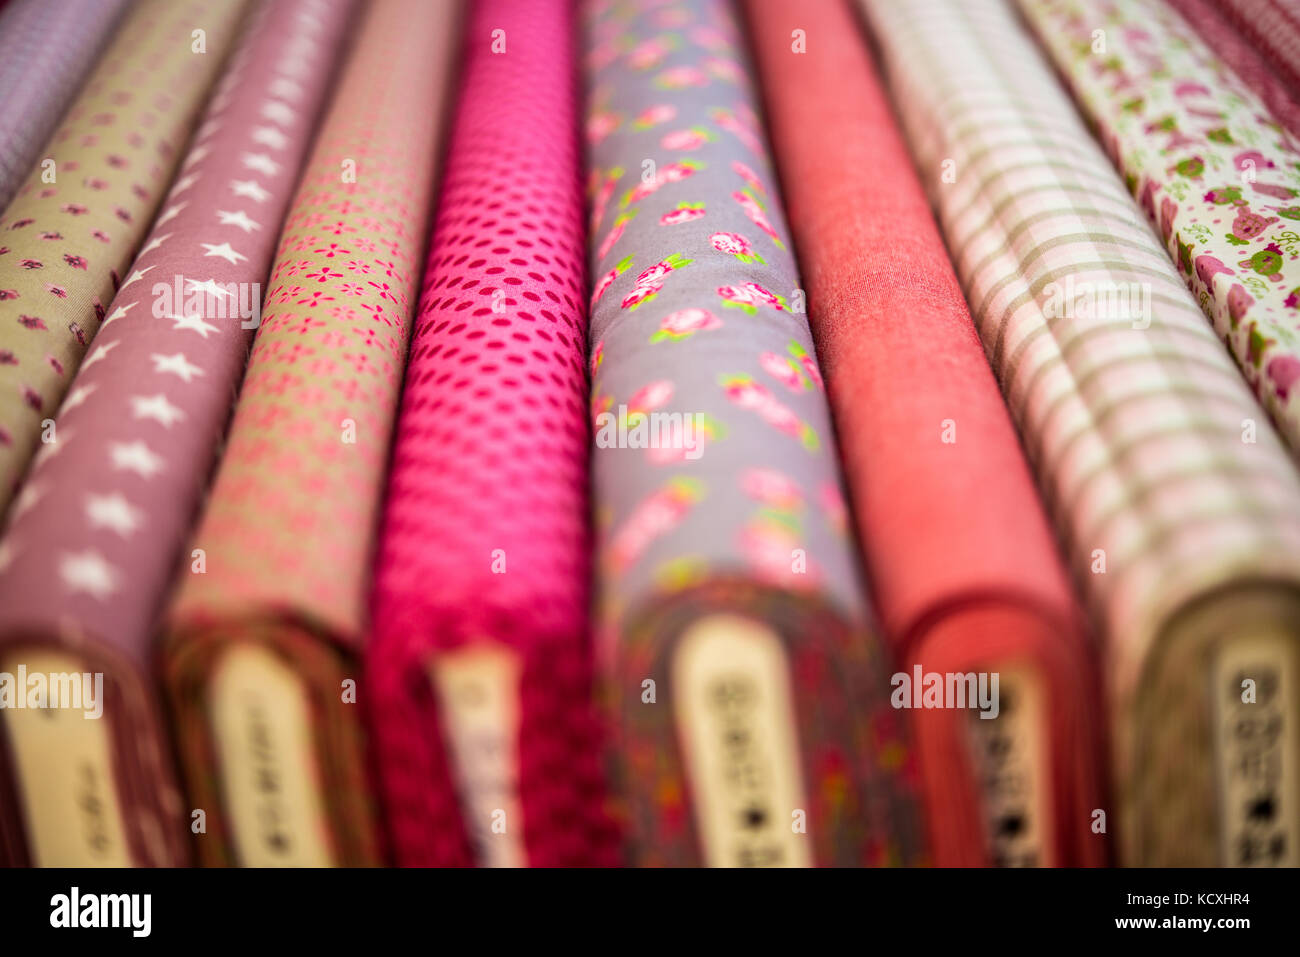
[(1273, 27), (1173, 496), (1208, 164)]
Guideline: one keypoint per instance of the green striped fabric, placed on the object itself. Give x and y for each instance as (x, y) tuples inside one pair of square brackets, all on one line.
[(1174, 498)]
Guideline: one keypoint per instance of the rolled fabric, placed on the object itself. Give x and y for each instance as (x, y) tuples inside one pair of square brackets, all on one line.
[(1274, 31), (749, 700), (1213, 170), (38, 78), (263, 636), (1176, 502), (924, 432), (479, 669), (92, 545), (1235, 38), (76, 222)]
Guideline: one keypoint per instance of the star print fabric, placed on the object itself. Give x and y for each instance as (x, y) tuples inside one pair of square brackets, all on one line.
[(92, 541), (72, 229), (288, 529), (697, 311)]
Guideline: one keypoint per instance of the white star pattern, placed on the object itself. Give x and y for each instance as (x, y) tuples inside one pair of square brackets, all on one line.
[(117, 313), (100, 354), (156, 407), (77, 396), (138, 274), (249, 188), (270, 136), (196, 155), (152, 245), (177, 365), (134, 457), (88, 572), (112, 512), (224, 251), (239, 219), (209, 287), (170, 213), (184, 183), (28, 497), (194, 323), (278, 112)]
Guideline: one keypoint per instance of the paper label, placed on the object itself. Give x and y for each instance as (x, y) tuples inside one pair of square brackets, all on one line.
[(63, 762), (478, 698), (736, 721), (266, 761), (1257, 749), (1012, 765)]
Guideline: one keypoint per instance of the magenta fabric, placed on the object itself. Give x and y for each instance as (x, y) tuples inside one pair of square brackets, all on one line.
[(485, 534)]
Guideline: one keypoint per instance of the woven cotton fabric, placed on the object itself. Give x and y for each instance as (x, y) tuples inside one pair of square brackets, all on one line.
[(486, 537), (92, 542), (38, 78), (1212, 169), (1135, 430), (288, 527), (697, 311), (65, 242)]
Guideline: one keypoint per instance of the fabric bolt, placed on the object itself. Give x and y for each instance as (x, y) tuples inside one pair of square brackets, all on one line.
[(287, 531), (490, 461), (903, 363), (1131, 412), (38, 78), (91, 547), (697, 313), (1233, 40), (1273, 29), (72, 229), (1210, 167)]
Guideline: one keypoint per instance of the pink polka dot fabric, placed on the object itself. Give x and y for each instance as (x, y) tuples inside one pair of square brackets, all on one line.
[(485, 537)]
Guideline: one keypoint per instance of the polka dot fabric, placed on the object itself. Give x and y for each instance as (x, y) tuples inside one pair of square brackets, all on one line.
[(485, 536)]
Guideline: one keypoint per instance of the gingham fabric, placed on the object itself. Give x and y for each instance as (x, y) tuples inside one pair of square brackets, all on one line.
[(1210, 166), (696, 311), (1168, 486), (90, 550), (288, 528), (486, 540), (74, 226), (46, 47)]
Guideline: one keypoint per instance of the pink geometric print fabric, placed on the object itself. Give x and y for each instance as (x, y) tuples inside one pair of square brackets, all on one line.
[(485, 534)]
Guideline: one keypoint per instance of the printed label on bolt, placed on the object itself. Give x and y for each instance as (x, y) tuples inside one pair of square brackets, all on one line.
[(735, 716)]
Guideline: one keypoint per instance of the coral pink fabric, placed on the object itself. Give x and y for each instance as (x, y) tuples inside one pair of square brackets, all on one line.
[(964, 569), (1263, 50), (491, 456)]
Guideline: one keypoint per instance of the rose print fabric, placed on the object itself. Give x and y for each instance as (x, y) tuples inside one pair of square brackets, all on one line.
[(1184, 538), (92, 541), (486, 539), (1212, 169), (1250, 40), (958, 588), (65, 243), (39, 77), (287, 531), (697, 312)]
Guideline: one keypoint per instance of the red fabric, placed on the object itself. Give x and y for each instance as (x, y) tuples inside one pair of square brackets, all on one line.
[(492, 454), (946, 527), (1262, 54)]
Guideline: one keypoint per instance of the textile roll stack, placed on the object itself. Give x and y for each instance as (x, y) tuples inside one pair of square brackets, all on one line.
[(480, 667), (1175, 499), (925, 432), (730, 603), (263, 636)]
